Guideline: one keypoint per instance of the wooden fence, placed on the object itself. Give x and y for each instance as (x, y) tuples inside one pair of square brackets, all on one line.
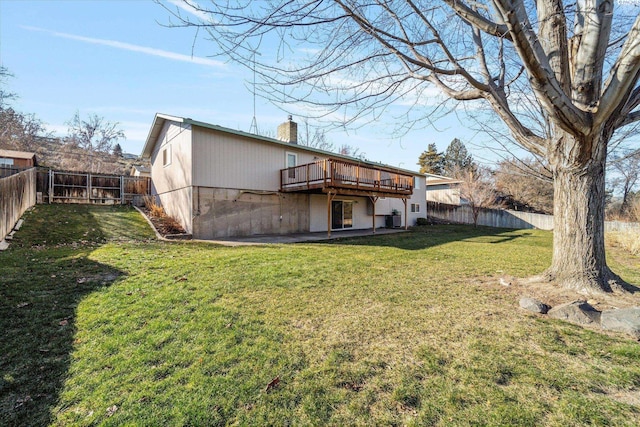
[(505, 218), (6, 171), (17, 194), (79, 187)]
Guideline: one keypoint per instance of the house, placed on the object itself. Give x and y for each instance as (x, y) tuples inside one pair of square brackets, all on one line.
[(219, 182), (17, 159), (140, 170), (442, 189)]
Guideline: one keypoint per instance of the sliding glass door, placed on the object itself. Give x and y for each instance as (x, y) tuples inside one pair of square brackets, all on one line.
[(341, 214)]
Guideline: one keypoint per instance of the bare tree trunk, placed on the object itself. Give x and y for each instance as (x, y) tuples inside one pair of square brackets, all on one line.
[(579, 260)]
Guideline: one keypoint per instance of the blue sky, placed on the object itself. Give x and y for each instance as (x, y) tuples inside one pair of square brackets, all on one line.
[(115, 59)]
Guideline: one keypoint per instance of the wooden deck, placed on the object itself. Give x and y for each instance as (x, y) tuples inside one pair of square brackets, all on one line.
[(343, 177)]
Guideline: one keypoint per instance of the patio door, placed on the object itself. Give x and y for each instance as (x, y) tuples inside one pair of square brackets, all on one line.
[(341, 214)]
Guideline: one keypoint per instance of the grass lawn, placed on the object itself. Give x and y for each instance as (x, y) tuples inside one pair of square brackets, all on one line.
[(103, 326)]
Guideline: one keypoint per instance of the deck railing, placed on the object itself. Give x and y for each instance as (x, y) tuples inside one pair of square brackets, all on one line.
[(332, 173)]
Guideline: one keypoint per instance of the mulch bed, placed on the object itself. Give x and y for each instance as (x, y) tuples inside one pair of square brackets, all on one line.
[(164, 225)]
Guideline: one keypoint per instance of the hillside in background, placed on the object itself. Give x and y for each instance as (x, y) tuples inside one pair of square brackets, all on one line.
[(56, 154)]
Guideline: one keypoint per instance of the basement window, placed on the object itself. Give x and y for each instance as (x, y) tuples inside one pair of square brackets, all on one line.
[(415, 207)]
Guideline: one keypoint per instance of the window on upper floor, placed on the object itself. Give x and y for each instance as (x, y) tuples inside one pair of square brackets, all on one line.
[(166, 155)]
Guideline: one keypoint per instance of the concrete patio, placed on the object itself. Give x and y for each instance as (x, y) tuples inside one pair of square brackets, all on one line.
[(301, 237)]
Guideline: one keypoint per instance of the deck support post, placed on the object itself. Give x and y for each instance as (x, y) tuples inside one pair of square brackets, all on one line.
[(373, 199), (330, 196), (406, 220)]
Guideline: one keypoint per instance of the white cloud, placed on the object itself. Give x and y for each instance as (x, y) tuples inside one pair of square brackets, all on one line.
[(135, 48), (192, 8)]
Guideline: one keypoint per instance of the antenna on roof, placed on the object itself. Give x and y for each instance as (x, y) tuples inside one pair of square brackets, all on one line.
[(254, 123)]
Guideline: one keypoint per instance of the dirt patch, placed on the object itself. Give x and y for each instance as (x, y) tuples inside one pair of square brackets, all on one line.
[(552, 294), (628, 397)]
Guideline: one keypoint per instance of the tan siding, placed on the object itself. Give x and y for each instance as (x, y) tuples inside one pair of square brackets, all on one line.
[(177, 204), (443, 194), (172, 182), (231, 161), (177, 174)]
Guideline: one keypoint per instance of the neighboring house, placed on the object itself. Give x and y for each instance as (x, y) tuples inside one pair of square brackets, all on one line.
[(139, 170), (441, 189), (17, 159), (220, 182)]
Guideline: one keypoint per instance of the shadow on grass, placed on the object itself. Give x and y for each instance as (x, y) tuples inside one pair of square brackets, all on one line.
[(41, 284), (430, 236)]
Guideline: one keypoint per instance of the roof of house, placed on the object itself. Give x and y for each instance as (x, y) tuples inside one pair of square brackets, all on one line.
[(16, 154), (141, 168), (433, 179), (161, 119)]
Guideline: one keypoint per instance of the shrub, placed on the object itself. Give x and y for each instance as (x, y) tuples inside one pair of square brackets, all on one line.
[(153, 208), (422, 221)]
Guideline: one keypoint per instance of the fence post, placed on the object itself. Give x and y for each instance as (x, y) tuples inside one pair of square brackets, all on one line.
[(88, 188), (51, 186), (121, 189)]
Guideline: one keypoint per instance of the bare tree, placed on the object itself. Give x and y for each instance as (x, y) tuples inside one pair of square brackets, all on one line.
[(5, 95), (562, 78), (476, 188), (19, 131), (527, 182), (626, 170), (314, 137), (96, 136)]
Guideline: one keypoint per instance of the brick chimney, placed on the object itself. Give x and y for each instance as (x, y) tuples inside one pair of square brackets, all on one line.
[(288, 131)]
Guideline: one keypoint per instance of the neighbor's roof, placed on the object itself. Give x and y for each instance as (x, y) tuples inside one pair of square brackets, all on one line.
[(16, 154), (161, 119), (433, 179), (141, 168)]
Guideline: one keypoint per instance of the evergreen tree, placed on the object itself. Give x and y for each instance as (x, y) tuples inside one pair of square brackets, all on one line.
[(117, 150), (431, 161), (456, 158)]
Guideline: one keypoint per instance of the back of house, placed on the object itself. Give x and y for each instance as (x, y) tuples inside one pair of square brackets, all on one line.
[(220, 182)]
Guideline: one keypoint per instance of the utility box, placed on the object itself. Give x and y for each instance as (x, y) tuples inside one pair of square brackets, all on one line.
[(393, 221)]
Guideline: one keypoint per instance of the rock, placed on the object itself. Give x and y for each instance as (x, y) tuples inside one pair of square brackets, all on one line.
[(625, 320), (592, 302), (3, 245), (576, 312), (534, 305), (19, 224), (504, 282)]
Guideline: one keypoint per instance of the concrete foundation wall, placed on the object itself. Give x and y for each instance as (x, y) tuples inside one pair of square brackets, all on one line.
[(223, 212)]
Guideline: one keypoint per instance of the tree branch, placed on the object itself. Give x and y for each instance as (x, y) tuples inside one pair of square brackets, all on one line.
[(622, 78), (478, 21), (557, 104)]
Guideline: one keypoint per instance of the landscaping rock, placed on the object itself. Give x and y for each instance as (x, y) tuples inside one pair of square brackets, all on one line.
[(576, 312), (625, 320), (534, 305), (3, 245)]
